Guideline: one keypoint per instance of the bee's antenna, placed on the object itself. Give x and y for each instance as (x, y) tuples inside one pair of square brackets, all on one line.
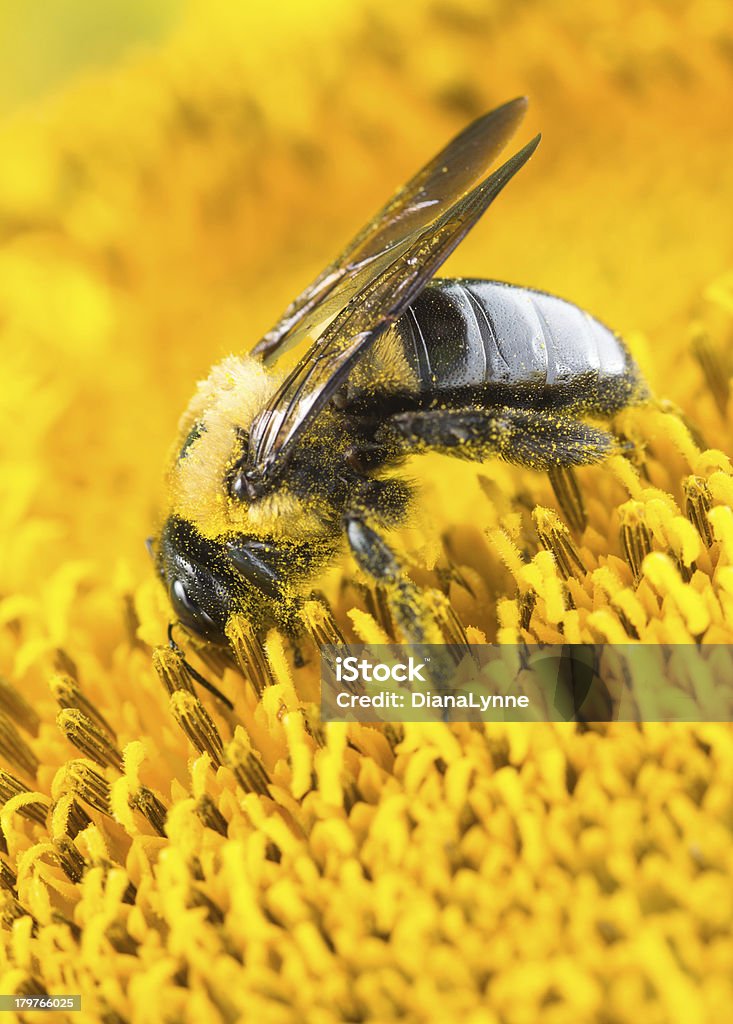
[(194, 673)]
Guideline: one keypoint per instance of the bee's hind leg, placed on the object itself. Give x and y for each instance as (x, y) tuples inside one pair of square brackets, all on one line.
[(538, 438), (412, 615)]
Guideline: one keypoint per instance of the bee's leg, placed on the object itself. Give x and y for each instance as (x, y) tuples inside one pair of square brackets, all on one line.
[(407, 604), (537, 438)]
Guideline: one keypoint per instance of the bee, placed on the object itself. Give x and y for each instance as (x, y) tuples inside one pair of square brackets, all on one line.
[(275, 473)]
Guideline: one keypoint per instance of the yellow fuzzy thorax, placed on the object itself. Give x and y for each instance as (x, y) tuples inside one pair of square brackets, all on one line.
[(224, 404)]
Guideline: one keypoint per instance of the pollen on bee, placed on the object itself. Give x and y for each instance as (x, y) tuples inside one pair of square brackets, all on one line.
[(225, 403)]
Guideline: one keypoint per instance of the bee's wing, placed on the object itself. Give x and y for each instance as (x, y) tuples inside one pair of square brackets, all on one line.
[(442, 181), (386, 287)]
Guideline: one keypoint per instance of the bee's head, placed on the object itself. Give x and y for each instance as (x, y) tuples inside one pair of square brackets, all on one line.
[(209, 580), (202, 588)]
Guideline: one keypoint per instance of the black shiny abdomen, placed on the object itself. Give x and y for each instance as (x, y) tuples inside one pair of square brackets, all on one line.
[(497, 343)]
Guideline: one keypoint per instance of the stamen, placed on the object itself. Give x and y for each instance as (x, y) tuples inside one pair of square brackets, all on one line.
[(8, 878), (246, 764), (122, 942), (18, 708), (555, 537), (11, 787), (569, 496), (210, 815), (10, 912), (151, 807), (77, 818), (93, 742), (635, 536), (69, 694), (170, 665), (197, 724), (197, 898), (321, 624), (527, 601), (716, 373), (88, 784), (70, 860), (63, 662), (176, 673), (698, 502), (249, 653), (15, 749)]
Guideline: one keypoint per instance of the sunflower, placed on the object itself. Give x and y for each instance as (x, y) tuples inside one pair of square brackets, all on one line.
[(169, 859)]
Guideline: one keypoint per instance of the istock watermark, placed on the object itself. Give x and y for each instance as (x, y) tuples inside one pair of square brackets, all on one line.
[(351, 670), (523, 683)]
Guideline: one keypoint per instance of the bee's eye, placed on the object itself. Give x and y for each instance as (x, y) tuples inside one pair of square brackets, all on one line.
[(181, 597), (188, 611)]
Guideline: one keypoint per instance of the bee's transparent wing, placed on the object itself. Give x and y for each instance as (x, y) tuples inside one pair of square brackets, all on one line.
[(386, 286), (442, 181)]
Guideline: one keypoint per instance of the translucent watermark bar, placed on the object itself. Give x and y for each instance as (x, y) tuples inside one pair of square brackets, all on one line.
[(527, 683), (40, 1002)]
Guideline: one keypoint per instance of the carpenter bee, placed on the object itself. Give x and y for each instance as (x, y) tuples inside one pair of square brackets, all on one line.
[(275, 473)]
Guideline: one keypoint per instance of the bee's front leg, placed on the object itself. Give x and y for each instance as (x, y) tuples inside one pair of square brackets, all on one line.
[(410, 610)]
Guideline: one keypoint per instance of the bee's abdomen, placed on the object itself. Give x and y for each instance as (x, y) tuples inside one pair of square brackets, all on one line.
[(501, 342)]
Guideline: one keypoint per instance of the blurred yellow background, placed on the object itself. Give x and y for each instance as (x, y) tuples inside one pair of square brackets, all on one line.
[(43, 47)]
